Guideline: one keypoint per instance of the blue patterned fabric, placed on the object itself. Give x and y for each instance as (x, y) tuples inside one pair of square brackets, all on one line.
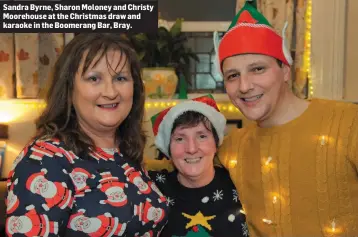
[(54, 192)]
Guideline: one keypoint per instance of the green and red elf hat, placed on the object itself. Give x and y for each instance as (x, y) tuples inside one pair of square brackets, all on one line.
[(251, 33), (163, 121)]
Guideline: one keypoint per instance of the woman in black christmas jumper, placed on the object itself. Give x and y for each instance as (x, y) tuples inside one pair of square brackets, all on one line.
[(202, 197)]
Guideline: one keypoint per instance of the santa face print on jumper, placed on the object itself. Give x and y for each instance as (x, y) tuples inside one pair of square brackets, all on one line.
[(31, 224), (116, 194), (86, 224), (55, 193), (146, 212), (114, 190), (155, 214), (102, 225), (138, 181), (21, 224), (43, 187), (79, 177), (135, 177)]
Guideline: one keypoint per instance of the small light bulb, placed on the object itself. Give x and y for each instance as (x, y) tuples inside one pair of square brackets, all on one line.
[(268, 160), (274, 199), (232, 163), (269, 222), (333, 224), (323, 140)]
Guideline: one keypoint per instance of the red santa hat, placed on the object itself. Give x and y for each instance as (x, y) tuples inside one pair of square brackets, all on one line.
[(251, 33), (106, 177), (82, 172), (162, 122), (127, 169), (34, 178)]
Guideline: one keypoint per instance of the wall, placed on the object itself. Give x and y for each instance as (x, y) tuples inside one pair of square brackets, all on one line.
[(351, 58), (21, 114)]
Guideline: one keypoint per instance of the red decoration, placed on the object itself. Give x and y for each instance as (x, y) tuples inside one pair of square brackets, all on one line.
[(159, 120), (22, 55), (246, 17), (204, 99), (195, 229), (4, 57)]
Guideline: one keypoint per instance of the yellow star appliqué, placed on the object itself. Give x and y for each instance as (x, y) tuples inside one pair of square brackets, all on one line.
[(200, 219)]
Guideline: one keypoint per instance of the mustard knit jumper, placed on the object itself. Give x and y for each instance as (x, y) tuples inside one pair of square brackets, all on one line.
[(299, 179)]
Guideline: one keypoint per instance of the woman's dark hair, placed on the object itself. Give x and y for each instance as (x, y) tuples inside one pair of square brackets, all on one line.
[(59, 119), (192, 119)]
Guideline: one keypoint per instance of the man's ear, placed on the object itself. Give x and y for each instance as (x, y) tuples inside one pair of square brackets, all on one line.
[(286, 72)]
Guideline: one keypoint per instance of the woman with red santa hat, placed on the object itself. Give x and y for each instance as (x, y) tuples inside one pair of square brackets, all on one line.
[(202, 197)]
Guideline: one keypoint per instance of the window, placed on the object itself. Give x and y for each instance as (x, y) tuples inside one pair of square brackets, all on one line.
[(204, 75)]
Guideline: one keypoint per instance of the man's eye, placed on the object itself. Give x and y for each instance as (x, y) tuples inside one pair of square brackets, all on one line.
[(232, 76), (258, 69)]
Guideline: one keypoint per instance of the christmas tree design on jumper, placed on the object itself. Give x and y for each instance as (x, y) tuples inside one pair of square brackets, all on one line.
[(196, 231)]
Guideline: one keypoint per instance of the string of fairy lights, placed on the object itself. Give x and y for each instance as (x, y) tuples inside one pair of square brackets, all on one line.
[(12, 110), (159, 104)]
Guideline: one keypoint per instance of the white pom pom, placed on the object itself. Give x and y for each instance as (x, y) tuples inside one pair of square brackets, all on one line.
[(231, 218), (205, 199)]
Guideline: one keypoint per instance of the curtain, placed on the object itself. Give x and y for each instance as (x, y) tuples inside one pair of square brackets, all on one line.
[(277, 13), (6, 65), (26, 61)]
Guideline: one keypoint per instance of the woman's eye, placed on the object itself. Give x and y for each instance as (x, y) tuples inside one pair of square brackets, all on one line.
[(121, 78), (178, 139), (93, 78)]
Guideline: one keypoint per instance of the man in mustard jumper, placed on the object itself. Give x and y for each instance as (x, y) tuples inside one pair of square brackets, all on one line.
[(296, 167)]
